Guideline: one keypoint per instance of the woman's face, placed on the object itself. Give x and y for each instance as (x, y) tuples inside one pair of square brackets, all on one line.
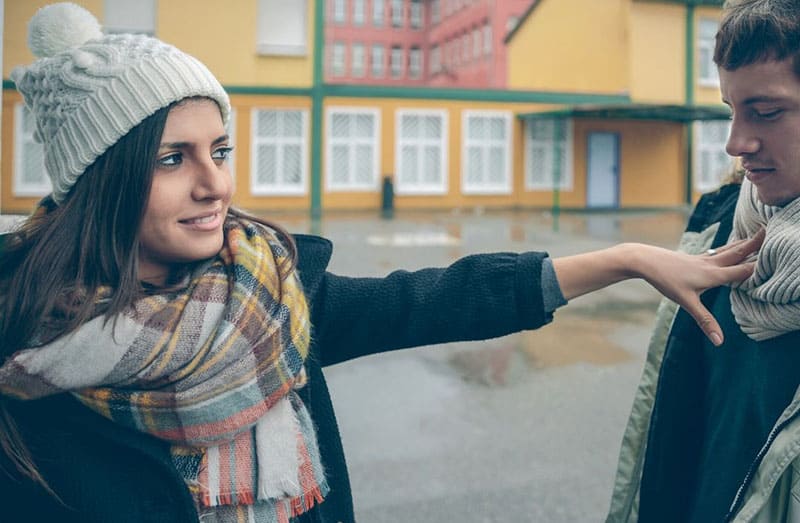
[(190, 194)]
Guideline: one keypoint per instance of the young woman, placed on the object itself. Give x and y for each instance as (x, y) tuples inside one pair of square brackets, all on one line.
[(163, 351)]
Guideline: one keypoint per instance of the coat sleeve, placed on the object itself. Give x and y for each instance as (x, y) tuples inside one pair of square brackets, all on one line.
[(478, 297)]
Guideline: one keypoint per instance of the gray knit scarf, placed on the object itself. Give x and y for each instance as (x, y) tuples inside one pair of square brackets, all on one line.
[(767, 304)]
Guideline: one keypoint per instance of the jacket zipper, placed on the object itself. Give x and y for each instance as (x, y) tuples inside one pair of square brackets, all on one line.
[(737, 500)]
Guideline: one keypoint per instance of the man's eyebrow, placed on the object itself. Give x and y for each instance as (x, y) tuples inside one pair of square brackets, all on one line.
[(763, 99), (185, 145)]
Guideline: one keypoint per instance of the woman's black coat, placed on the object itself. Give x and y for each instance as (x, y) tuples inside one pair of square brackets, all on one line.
[(106, 473)]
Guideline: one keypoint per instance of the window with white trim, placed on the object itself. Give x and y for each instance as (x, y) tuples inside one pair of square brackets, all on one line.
[(487, 39), (548, 154), (476, 44), (339, 11), (397, 13), (357, 60), (466, 49), (278, 159), (281, 28), (711, 163), (337, 63), (416, 14), (436, 59), (420, 154), (352, 151), (377, 61), (486, 152), (124, 16), (436, 11), (30, 177), (378, 12), (359, 12), (397, 61), (707, 70), (414, 62)]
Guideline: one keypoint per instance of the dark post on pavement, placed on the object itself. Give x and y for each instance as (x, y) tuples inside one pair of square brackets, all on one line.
[(387, 198)]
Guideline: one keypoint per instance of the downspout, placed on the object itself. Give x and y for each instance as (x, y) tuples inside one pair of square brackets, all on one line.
[(689, 96), (317, 97)]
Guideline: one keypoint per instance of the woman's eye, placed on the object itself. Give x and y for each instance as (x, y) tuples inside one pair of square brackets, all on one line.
[(170, 160), (222, 154)]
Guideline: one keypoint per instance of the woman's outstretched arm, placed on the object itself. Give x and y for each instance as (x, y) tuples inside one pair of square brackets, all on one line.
[(678, 276)]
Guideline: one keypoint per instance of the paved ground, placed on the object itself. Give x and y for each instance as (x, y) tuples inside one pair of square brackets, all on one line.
[(522, 428)]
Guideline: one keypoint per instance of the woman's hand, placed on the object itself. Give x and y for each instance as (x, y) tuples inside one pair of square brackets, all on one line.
[(678, 276)]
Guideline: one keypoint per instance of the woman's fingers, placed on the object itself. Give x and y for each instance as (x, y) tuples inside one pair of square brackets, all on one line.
[(705, 320), (739, 250)]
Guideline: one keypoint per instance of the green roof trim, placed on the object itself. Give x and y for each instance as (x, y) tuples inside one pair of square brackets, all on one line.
[(424, 93), (669, 113), (471, 95)]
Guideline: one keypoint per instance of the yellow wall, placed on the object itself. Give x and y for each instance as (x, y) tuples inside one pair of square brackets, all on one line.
[(223, 36), (657, 63), (15, 27), (572, 46), (651, 162)]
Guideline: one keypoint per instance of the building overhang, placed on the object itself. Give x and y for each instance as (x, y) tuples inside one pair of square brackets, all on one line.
[(655, 112)]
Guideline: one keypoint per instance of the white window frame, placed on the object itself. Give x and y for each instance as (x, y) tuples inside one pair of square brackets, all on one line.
[(359, 12), (417, 14), (487, 40), (436, 59), (282, 28), (566, 177), (440, 188), (374, 184), (415, 62), (476, 44), (124, 16), (378, 13), (486, 144), (279, 189), (396, 61), (231, 128), (377, 67), (707, 74), (338, 59), (338, 11), (21, 138), (703, 179), (398, 15), (357, 60), (436, 11)]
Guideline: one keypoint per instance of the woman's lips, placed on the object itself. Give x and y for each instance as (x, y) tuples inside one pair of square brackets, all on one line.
[(209, 222)]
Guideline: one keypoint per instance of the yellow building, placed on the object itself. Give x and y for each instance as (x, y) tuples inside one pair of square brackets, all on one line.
[(598, 114)]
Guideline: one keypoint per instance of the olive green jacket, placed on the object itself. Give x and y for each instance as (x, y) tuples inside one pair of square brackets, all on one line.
[(772, 493)]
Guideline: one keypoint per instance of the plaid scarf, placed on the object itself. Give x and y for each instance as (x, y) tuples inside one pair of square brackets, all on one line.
[(767, 304), (211, 367)]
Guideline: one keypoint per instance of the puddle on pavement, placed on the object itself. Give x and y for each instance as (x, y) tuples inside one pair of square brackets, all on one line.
[(579, 335)]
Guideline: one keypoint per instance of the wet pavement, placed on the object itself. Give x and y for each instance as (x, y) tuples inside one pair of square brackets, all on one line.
[(521, 428)]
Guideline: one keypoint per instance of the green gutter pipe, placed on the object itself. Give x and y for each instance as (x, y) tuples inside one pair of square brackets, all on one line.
[(317, 96)]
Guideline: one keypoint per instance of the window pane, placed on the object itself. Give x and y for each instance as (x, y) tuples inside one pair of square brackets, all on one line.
[(433, 164), (292, 164), (497, 128), (409, 127), (267, 165), (364, 126), (433, 127), (340, 125), (474, 165), (363, 172), (410, 170), (267, 124), (497, 165), (341, 164), (292, 124)]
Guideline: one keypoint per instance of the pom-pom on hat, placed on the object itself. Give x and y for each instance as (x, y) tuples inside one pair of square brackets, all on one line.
[(86, 90)]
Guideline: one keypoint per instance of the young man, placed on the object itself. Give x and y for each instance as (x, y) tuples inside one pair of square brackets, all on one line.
[(714, 434)]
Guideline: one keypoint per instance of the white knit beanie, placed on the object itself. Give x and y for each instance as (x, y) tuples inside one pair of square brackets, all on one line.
[(87, 90)]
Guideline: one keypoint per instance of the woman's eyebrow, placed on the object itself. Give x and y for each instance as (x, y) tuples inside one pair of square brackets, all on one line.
[(184, 145)]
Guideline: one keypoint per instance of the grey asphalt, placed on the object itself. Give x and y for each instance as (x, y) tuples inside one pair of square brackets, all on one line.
[(524, 428)]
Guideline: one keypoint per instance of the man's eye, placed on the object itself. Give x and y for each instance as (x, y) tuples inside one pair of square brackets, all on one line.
[(769, 115), (222, 154), (170, 160)]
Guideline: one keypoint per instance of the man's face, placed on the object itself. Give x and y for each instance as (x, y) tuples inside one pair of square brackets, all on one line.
[(765, 133)]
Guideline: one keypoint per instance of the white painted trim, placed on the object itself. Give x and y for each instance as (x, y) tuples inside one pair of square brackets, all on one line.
[(439, 189), (506, 188), (374, 185)]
